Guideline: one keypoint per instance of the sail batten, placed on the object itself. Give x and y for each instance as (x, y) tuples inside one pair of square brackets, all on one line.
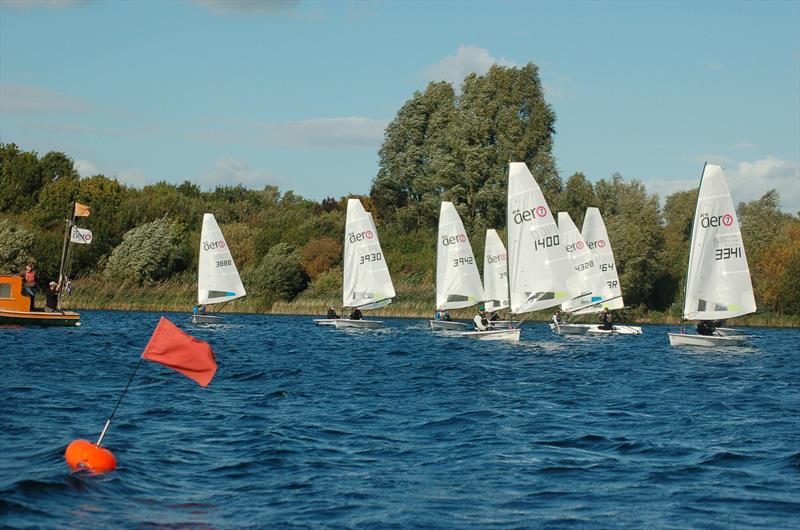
[(217, 277)]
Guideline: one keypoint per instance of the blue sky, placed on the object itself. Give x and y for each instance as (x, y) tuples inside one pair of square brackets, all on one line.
[(297, 94)]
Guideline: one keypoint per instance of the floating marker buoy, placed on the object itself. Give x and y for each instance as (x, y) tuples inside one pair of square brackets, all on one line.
[(82, 454)]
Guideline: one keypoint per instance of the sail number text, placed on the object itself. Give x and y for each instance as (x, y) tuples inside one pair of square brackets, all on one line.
[(463, 261), (727, 253), (585, 266), (224, 263), (367, 258), (606, 267), (546, 242)]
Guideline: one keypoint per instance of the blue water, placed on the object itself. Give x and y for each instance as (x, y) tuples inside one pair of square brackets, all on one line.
[(313, 427)]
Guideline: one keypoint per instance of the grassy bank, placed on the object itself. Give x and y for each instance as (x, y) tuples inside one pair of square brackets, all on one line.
[(415, 299)]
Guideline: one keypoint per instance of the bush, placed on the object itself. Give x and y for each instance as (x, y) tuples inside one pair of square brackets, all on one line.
[(319, 255), (15, 247), (279, 275), (149, 253)]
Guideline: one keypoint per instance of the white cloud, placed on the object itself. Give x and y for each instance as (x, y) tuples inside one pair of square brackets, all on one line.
[(230, 172), (20, 99), (747, 181), (135, 177), (85, 168), (324, 132), (468, 59), (247, 7)]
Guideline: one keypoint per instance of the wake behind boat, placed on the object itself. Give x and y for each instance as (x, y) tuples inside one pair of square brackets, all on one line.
[(718, 284), (217, 277)]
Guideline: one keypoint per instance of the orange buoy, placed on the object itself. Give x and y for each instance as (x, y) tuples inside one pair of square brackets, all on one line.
[(82, 454)]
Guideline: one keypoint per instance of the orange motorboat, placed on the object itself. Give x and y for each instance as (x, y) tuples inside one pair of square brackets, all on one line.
[(15, 307)]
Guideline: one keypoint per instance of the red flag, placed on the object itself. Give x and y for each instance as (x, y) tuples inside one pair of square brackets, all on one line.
[(190, 356)]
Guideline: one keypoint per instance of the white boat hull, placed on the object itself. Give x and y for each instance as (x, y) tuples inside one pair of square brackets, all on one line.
[(206, 319), (583, 329), (325, 321), (712, 341), (448, 325), (569, 329), (363, 324), (494, 334)]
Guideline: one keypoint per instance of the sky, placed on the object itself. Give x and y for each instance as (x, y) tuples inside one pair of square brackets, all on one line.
[(297, 94)]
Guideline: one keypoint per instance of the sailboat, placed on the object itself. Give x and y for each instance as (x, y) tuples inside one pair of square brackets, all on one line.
[(217, 277), (366, 283), (495, 275), (606, 290), (458, 282), (718, 284)]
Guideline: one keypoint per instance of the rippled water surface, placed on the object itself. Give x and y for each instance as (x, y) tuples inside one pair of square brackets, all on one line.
[(307, 426)]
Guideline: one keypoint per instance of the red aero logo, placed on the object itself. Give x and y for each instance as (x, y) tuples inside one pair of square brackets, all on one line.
[(213, 244), (529, 215), (452, 240), (496, 258), (361, 236), (714, 221), (599, 243)]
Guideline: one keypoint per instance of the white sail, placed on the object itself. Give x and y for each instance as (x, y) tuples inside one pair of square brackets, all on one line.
[(217, 277), (718, 282), (586, 280), (495, 272), (367, 283), (538, 264), (458, 282), (596, 238)]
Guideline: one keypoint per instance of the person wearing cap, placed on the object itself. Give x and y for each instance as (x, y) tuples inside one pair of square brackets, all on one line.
[(481, 320), (51, 298)]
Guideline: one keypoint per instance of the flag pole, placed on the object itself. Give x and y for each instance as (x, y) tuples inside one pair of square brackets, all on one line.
[(108, 421)]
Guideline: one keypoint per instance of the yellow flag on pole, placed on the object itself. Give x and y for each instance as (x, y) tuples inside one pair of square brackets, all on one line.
[(81, 210)]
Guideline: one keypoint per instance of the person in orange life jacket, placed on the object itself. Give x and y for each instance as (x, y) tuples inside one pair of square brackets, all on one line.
[(51, 297), (29, 282)]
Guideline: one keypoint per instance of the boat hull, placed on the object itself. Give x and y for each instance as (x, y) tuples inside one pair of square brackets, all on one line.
[(494, 334), (363, 324), (569, 329), (731, 332), (583, 329), (206, 319), (447, 325), (325, 321), (39, 318), (709, 341)]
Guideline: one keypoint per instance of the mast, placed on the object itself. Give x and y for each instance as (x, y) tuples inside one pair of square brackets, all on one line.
[(691, 241), (64, 253)]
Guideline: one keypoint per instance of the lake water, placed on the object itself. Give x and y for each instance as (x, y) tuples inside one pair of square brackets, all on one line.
[(306, 426)]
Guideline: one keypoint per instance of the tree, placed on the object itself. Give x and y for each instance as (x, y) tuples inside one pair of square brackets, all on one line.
[(319, 255), (578, 195), (279, 276), (149, 253), (15, 247), (20, 179)]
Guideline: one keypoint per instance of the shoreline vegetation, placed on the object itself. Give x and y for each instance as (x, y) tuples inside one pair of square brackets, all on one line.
[(412, 301)]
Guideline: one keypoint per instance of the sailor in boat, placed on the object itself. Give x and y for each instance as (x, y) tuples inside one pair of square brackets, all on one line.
[(481, 320), (199, 310), (706, 327), (442, 315), (606, 319), (495, 317), (29, 283), (355, 314), (51, 298), (558, 318), (332, 312)]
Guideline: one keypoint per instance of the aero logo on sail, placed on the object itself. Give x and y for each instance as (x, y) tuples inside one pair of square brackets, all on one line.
[(361, 236), (530, 215), (214, 244), (452, 240), (496, 258), (578, 245), (599, 244), (714, 221)]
